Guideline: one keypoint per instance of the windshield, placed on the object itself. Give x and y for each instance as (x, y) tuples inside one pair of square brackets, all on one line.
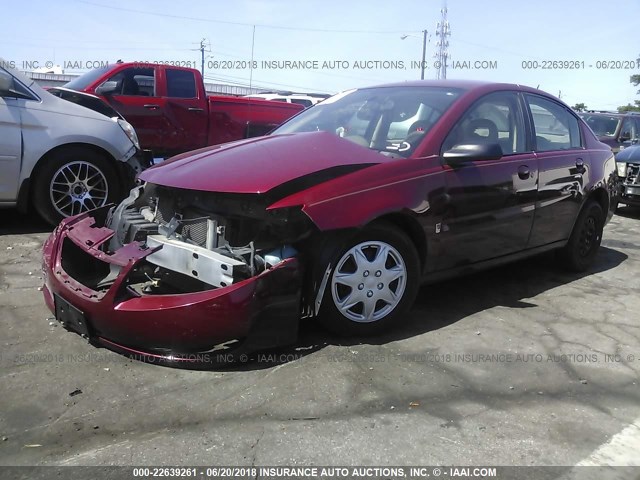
[(393, 120), (602, 125), (84, 80)]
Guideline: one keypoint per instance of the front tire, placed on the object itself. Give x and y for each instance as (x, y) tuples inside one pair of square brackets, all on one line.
[(73, 181), (585, 239), (373, 283)]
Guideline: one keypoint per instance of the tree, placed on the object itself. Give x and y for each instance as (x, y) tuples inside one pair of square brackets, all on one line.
[(635, 80), (580, 107), (630, 108)]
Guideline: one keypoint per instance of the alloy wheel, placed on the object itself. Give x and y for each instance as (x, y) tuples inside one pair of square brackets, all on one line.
[(77, 187)]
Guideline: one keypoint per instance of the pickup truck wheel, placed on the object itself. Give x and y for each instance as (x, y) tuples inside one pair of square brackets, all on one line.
[(585, 239), (73, 181), (373, 283)]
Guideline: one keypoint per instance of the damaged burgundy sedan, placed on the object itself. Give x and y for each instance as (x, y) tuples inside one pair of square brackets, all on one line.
[(339, 214)]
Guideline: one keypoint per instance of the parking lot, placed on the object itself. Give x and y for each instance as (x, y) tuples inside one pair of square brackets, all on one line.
[(522, 365)]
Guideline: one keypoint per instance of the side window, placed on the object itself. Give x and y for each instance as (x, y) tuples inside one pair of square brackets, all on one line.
[(12, 84), (628, 130), (181, 84), (555, 128), (495, 118), (135, 81)]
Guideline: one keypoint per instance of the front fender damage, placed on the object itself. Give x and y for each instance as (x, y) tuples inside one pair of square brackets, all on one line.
[(176, 276)]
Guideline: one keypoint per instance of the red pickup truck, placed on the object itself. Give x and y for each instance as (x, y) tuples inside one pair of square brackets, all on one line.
[(172, 113)]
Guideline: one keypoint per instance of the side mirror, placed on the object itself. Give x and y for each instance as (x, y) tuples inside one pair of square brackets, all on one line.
[(476, 152), (107, 88)]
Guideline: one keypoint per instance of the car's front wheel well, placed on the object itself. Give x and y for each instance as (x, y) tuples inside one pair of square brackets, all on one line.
[(54, 151), (411, 227), (25, 198), (72, 178), (601, 196)]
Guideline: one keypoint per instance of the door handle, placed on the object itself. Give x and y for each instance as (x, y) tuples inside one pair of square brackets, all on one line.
[(151, 106), (196, 109), (524, 172), (580, 168)]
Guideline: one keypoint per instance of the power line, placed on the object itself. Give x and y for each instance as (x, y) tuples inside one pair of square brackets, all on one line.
[(242, 24), (243, 83)]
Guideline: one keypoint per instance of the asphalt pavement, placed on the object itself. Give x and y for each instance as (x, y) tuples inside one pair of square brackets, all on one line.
[(521, 365)]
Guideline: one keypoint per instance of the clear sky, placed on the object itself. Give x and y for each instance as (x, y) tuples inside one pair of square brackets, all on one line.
[(352, 34)]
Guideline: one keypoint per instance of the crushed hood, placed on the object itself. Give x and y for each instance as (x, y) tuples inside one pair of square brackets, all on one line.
[(258, 165), (629, 155)]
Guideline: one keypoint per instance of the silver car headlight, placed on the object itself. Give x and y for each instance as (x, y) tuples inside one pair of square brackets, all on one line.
[(130, 131), (622, 169)]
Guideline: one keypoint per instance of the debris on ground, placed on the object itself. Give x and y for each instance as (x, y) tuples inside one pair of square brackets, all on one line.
[(77, 391)]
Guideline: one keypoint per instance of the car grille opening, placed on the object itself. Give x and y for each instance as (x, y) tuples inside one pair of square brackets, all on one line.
[(85, 268), (633, 173)]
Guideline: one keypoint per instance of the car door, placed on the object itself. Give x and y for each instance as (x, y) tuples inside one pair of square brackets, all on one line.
[(136, 98), (10, 142), (187, 110), (491, 203), (563, 163)]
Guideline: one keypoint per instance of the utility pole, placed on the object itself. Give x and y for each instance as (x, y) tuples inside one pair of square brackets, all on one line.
[(443, 32), (202, 45), (424, 53), (425, 34), (205, 46), (253, 44)]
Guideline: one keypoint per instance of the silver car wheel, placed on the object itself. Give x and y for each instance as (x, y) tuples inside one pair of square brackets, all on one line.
[(78, 187), (368, 281)]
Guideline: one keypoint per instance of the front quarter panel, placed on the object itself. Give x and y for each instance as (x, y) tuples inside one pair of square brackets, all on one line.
[(358, 198), (55, 122), (603, 175)]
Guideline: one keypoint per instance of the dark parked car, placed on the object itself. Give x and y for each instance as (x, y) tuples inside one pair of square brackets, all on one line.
[(340, 214), (628, 162), (618, 130)]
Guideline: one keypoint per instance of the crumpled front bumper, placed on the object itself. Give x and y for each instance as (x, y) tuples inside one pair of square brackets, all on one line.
[(629, 193), (261, 312)]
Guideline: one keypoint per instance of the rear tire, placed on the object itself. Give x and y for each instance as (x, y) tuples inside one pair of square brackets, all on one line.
[(373, 283), (72, 181), (578, 254)]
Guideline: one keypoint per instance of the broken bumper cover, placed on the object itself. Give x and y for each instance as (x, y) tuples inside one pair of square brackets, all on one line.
[(629, 194), (179, 329)]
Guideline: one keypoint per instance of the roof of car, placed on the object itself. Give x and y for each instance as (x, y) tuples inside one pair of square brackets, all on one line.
[(609, 114), (462, 84)]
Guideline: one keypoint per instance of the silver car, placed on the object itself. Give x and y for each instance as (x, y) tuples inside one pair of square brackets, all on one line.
[(59, 156)]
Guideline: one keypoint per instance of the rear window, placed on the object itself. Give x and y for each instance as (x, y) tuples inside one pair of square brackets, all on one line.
[(602, 125)]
